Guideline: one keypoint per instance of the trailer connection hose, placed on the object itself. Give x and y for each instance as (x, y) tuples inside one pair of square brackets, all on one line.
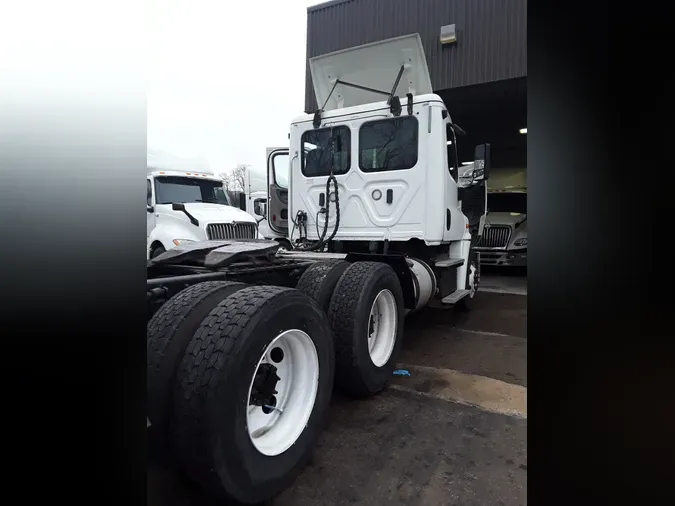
[(301, 216), (302, 219)]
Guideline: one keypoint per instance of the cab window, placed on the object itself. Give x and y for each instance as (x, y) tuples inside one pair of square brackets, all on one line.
[(388, 144), (317, 147)]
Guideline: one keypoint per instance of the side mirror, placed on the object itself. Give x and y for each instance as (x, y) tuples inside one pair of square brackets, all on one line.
[(178, 206), (481, 162), (260, 208), (242, 201)]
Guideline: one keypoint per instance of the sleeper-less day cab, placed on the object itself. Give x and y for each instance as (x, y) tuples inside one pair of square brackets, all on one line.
[(394, 160)]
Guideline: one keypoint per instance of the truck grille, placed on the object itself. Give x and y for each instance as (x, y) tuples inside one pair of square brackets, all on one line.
[(494, 237), (231, 231)]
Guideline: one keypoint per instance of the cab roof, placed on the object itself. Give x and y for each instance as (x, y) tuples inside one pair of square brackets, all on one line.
[(155, 172)]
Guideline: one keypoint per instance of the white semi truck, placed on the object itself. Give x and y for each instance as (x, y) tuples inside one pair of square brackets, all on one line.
[(186, 203), (245, 339), (504, 239)]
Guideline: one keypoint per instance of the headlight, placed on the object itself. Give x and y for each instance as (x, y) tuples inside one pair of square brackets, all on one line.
[(520, 242), (178, 242)]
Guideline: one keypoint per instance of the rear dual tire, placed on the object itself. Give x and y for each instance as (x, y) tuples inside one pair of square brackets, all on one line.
[(169, 333), (366, 314), (320, 279), (204, 347), (212, 411)]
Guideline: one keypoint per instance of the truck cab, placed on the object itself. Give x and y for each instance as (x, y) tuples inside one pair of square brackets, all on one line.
[(188, 204), (504, 239), (375, 170)]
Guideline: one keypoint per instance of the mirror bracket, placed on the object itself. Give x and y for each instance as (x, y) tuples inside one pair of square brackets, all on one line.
[(179, 206)]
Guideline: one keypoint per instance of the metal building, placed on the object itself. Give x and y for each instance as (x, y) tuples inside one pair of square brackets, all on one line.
[(476, 53)]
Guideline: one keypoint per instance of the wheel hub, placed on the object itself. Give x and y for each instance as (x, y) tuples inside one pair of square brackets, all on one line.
[(282, 392), (374, 320), (474, 278), (264, 386), (382, 325)]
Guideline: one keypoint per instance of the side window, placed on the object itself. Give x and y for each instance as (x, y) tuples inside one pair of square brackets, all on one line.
[(317, 146), (149, 193), (389, 144), (280, 162)]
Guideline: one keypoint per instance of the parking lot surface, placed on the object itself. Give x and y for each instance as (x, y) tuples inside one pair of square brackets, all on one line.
[(452, 432)]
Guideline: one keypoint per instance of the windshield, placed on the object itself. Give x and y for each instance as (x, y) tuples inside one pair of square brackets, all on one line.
[(507, 203), (176, 189)]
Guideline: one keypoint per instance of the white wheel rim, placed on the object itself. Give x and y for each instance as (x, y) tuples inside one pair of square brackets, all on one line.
[(472, 280), (273, 431), (382, 327)]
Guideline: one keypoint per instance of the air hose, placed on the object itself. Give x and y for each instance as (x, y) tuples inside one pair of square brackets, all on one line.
[(323, 240)]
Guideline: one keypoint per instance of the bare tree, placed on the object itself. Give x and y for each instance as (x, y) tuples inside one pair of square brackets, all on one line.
[(235, 180), (227, 180), (238, 177)]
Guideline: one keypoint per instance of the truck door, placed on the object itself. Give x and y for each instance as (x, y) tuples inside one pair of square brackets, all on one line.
[(278, 161)]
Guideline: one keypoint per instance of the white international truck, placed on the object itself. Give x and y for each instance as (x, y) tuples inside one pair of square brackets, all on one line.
[(245, 338), (186, 203), (504, 239)]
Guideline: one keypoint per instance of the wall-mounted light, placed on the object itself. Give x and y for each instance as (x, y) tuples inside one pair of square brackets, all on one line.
[(448, 34), (523, 130)]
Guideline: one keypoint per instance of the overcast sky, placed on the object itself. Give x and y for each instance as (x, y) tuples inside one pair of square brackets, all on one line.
[(224, 78)]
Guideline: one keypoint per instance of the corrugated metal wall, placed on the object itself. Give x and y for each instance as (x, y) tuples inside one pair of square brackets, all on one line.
[(491, 35)]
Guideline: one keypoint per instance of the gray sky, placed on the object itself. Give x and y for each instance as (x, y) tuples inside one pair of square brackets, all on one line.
[(224, 78)]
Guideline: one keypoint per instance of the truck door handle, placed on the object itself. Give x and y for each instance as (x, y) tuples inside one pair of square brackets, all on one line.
[(322, 199)]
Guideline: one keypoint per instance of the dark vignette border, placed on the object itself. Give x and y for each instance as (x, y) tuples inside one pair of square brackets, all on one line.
[(73, 296), (600, 301)]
